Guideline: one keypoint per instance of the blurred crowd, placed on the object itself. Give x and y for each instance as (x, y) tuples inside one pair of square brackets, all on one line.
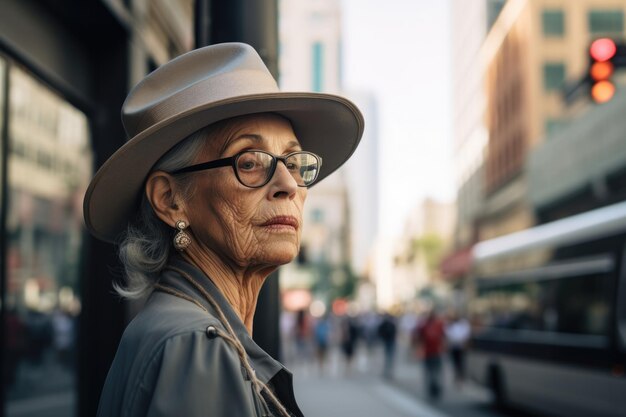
[(35, 343), (377, 340)]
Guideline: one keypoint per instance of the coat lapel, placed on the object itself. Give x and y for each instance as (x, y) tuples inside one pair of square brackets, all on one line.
[(263, 364)]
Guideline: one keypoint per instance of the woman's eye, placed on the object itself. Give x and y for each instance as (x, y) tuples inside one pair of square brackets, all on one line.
[(250, 165), (247, 165), (249, 162)]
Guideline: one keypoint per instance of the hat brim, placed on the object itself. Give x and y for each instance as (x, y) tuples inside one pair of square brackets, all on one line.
[(328, 125)]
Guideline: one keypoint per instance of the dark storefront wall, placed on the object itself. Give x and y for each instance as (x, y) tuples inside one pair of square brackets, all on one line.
[(66, 71), (49, 164)]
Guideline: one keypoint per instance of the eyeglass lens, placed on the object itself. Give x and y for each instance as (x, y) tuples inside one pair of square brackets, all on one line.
[(255, 168)]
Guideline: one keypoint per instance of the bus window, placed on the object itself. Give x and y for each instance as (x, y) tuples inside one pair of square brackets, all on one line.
[(575, 305)]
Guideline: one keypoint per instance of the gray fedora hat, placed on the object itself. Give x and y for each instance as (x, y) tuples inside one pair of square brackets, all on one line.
[(197, 89)]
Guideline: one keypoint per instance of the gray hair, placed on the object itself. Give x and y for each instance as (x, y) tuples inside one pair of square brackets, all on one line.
[(145, 247)]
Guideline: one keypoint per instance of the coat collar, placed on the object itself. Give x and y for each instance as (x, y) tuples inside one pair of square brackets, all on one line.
[(263, 364)]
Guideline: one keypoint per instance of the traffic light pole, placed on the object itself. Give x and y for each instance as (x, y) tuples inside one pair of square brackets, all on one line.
[(605, 56)]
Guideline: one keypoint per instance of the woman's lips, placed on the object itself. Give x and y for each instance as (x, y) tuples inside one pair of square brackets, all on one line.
[(281, 223)]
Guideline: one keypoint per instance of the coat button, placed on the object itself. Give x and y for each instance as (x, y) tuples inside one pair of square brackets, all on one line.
[(211, 332)]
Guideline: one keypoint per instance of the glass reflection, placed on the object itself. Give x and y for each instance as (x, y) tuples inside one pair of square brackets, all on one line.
[(575, 305), (49, 164)]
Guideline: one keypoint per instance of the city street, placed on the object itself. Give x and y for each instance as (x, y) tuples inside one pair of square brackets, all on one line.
[(418, 207), (363, 392), (357, 396)]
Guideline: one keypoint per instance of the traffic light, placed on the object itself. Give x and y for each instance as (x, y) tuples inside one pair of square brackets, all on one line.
[(604, 56)]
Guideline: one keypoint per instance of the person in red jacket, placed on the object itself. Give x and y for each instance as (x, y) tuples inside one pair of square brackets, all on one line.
[(430, 335)]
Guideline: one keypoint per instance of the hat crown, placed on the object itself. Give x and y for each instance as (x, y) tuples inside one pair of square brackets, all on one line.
[(201, 77)]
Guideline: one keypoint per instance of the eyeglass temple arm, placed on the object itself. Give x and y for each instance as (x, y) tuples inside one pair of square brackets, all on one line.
[(205, 165)]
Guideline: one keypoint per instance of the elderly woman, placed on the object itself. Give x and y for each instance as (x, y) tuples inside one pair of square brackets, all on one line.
[(205, 200)]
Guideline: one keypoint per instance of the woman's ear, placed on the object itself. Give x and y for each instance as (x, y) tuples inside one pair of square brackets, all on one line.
[(162, 193)]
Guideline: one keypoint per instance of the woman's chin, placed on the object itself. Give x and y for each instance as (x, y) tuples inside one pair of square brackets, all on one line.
[(280, 253)]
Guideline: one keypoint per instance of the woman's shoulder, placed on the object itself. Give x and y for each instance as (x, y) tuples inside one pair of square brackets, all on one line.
[(168, 331), (165, 316)]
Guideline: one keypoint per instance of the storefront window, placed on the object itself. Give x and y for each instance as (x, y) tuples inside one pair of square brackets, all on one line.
[(49, 165)]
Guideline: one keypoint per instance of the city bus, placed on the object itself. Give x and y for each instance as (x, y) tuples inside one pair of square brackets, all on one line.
[(548, 307)]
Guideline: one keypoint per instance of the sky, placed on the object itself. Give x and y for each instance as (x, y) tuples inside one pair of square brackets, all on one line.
[(400, 51)]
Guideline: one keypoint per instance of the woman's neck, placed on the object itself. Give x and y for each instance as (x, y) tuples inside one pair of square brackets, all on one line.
[(240, 286)]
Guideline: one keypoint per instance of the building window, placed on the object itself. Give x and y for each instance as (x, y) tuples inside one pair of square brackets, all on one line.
[(553, 23), (553, 76), (606, 21), (317, 80)]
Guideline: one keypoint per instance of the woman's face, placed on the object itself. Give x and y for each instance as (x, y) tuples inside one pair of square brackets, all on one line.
[(248, 226)]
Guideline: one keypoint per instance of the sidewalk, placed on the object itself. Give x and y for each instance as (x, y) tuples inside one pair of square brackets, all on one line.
[(361, 391), (355, 392), (356, 396), (468, 400)]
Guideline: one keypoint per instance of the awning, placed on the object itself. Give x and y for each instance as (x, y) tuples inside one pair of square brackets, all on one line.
[(456, 264)]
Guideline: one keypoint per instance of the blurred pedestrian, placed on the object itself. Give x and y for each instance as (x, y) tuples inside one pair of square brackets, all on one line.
[(14, 344), (39, 335), (457, 335), (430, 336), (303, 335), (369, 322), (322, 336), (349, 336), (387, 331), (205, 201), (63, 338), (288, 336)]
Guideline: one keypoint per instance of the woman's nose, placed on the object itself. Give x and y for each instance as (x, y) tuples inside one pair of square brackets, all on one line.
[(283, 184)]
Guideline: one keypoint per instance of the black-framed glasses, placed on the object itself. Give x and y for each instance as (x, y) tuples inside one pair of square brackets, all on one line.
[(254, 168)]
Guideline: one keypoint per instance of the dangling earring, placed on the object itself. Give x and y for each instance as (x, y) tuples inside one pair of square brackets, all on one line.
[(181, 240)]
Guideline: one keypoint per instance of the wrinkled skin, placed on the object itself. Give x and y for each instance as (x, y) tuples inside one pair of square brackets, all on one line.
[(230, 241)]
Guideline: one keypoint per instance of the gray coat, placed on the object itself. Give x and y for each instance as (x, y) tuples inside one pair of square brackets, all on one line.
[(167, 364)]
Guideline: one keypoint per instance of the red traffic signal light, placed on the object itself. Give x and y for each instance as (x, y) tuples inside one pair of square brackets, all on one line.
[(601, 53), (602, 49)]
